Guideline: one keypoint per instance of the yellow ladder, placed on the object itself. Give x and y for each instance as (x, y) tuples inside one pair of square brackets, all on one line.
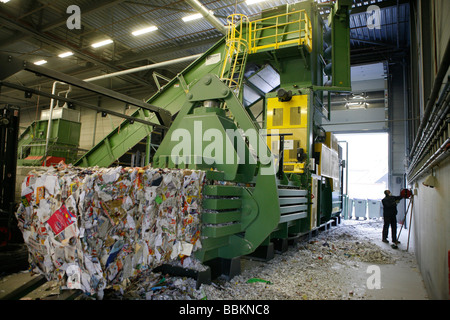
[(236, 52)]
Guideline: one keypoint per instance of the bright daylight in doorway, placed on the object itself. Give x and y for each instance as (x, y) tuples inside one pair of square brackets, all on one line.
[(367, 164)]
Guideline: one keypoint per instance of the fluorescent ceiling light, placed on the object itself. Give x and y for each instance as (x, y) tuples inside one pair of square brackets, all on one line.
[(192, 17), (65, 54), (253, 1), (145, 30), (40, 62), (101, 43)]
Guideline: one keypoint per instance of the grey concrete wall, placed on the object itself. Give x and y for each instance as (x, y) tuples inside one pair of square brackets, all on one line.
[(431, 225), (431, 219)]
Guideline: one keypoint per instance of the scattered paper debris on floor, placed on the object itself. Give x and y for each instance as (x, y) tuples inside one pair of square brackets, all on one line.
[(310, 270), (104, 230)]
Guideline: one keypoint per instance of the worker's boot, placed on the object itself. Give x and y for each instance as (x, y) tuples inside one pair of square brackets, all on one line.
[(395, 244)]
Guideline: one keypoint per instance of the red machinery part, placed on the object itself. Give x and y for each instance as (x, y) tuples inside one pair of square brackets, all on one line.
[(51, 161), (405, 193), (5, 236)]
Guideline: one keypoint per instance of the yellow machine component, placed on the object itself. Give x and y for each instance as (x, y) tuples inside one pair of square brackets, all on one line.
[(281, 30), (288, 117)]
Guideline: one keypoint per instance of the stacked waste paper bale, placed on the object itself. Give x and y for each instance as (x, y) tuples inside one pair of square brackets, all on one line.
[(94, 227)]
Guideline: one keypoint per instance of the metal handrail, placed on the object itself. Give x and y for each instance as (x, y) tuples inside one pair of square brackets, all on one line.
[(242, 39), (237, 45), (304, 31)]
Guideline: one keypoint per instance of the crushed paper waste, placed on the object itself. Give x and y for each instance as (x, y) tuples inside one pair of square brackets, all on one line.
[(150, 285), (90, 228)]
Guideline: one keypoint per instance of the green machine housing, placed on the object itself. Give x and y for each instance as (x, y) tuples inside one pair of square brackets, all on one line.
[(36, 147), (258, 194)]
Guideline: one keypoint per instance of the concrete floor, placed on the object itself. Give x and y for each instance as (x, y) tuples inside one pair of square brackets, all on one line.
[(10, 282), (401, 280)]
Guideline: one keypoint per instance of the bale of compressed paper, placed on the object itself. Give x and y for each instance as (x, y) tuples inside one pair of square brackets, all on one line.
[(91, 228)]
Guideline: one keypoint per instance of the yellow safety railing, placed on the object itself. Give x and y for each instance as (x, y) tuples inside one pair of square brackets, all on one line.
[(236, 51), (244, 37), (281, 30)]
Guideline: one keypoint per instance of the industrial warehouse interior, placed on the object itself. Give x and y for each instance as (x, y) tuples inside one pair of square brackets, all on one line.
[(224, 150)]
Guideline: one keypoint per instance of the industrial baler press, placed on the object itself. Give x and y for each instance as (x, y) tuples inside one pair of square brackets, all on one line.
[(247, 113)]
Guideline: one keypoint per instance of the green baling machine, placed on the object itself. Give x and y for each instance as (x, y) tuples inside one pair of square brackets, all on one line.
[(51, 139), (272, 176)]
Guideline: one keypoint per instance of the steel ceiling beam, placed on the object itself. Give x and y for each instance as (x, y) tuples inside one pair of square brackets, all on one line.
[(381, 5), (59, 22), (94, 7), (171, 8), (208, 15), (97, 6), (146, 54), (11, 66), (79, 103), (59, 43)]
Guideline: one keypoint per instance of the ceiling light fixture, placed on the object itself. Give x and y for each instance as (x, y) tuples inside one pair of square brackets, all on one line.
[(145, 30), (192, 17), (40, 62), (66, 54), (101, 43)]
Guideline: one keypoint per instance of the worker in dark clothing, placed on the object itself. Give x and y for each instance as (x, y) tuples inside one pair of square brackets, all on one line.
[(390, 216)]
